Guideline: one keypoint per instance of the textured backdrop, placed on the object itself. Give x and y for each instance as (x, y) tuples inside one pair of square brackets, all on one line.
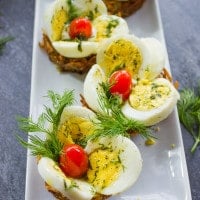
[(181, 27)]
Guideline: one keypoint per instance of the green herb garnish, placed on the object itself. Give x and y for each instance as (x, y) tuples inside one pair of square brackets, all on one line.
[(73, 11), (72, 185), (3, 42), (51, 146), (111, 25), (189, 114), (111, 121), (90, 15), (79, 40)]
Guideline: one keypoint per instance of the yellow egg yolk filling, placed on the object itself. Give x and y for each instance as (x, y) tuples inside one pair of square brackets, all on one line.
[(105, 167), (57, 24), (74, 129), (122, 54), (104, 28), (147, 95)]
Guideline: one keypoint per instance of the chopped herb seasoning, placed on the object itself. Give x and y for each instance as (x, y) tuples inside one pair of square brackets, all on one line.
[(111, 25), (106, 166), (148, 95), (90, 15), (126, 56), (73, 184), (80, 45), (96, 10)]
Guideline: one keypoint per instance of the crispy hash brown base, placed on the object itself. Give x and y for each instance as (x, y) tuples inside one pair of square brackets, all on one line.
[(123, 8), (79, 65)]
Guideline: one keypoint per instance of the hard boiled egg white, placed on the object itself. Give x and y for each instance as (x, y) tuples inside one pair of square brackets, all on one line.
[(70, 188), (91, 87), (104, 26), (71, 49), (54, 19), (90, 8), (151, 101), (115, 164), (142, 58), (76, 111), (156, 60)]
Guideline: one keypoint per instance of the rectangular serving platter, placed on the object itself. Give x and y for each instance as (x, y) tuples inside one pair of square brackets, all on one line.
[(164, 175)]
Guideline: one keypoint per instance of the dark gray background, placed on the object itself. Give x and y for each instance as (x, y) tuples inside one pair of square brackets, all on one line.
[(181, 22)]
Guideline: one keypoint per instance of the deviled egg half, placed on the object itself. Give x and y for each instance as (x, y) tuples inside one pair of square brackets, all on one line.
[(75, 28), (142, 58), (114, 162), (151, 99)]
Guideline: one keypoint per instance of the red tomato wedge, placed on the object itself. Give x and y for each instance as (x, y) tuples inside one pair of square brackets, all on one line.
[(80, 28), (73, 161), (121, 83)]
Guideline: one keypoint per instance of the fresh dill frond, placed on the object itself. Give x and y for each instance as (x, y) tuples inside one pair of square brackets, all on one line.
[(189, 113), (118, 124), (107, 101), (27, 124), (50, 146), (58, 103), (3, 42), (73, 11), (111, 121)]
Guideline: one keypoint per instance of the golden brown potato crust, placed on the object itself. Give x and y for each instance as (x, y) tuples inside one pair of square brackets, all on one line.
[(79, 65), (123, 8)]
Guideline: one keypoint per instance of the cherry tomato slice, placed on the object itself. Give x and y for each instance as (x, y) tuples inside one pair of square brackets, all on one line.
[(73, 161), (80, 28), (121, 83)]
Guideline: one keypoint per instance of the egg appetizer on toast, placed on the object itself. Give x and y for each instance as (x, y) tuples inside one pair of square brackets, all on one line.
[(82, 155), (72, 31), (132, 68)]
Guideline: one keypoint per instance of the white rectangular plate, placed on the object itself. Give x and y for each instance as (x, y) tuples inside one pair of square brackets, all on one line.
[(164, 175)]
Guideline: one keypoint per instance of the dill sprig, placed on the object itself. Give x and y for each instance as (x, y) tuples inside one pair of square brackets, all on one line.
[(189, 113), (59, 102), (51, 146), (3, 42), (73, 11), (111, 121)]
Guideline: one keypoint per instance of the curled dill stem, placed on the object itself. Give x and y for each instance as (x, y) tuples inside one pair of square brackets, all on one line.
[(189, 114)]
